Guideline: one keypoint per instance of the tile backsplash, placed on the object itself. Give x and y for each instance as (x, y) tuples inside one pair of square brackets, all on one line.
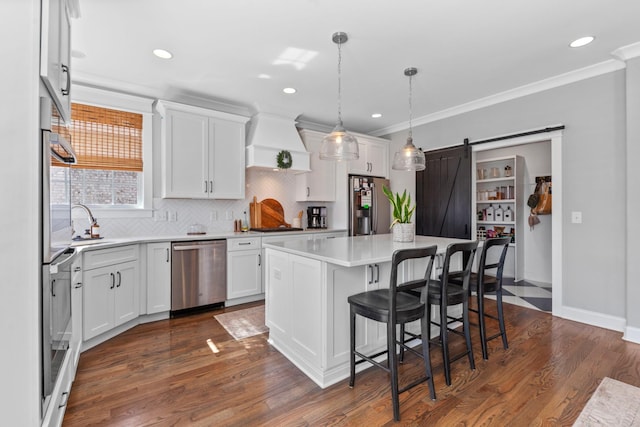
[(212, 214)]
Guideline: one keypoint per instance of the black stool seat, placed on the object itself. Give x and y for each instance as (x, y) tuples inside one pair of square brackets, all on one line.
[(375, 305)]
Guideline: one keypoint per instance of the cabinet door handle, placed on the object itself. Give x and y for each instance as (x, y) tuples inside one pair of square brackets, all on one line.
[(377, 274), (211, 186), (66, 91), (119, 278), (259, 260), (77, 269), (206, 186), (113, 281), (244, 243), (308, 192), (370, 273), (53, 284), (167, 254), (64, 403), (78, 285)]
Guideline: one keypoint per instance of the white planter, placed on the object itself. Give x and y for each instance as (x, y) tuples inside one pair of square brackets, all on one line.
[(404, 232)]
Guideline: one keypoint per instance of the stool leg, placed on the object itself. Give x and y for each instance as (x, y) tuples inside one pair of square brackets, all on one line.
[(392, 360), (481, 322), (444, 341), (352, 344), (503, 331), (401, 358), (467, 332), (425, 325)]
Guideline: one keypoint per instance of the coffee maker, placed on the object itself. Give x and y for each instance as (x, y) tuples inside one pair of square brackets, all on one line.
[(316, 217)]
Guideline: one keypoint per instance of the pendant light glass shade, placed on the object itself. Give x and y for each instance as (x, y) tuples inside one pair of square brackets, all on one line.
[(409, 158), (339, 144)]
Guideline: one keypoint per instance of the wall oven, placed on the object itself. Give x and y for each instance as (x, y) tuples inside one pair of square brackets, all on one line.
[(56, 254)]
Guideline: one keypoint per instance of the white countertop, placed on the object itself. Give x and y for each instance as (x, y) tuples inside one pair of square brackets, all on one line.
[(356, 251), (119, 241)]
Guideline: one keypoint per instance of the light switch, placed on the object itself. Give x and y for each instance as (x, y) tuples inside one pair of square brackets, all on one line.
[(576, 217)]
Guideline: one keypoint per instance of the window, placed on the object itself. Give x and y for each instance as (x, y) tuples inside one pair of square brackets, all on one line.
[(108, 144), (111, 134)]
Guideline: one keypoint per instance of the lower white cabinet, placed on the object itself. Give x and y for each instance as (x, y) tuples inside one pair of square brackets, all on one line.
[(244, 268), (110, 289), (158, 277)]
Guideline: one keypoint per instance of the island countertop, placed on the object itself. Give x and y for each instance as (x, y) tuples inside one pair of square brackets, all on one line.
[(358, 250)]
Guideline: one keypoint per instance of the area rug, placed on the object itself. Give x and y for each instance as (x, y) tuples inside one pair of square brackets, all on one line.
[(243, 323), (614, 403)]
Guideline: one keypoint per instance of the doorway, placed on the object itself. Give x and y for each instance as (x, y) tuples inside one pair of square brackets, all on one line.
[(555, 141)]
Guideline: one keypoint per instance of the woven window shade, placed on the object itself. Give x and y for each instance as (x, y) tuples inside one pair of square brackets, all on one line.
[(106, 139)]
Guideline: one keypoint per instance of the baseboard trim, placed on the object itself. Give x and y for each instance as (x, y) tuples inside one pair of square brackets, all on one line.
[(593, 318), (632, 334)]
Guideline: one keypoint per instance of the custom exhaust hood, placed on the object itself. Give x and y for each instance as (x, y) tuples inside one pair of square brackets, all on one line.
[(269, 134)]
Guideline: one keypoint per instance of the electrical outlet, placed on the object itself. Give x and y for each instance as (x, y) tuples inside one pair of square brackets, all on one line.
[(173, 216), (576, 217), (159, 216), (213, 215), (229, 215)]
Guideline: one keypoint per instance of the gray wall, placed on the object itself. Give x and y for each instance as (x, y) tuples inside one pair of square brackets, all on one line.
[(593, 165), (633, 197)]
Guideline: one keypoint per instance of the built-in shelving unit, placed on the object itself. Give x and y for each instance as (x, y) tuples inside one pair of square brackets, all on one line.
[(499, 184)]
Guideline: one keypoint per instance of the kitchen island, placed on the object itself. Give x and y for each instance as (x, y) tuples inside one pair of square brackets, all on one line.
[(307, 285)]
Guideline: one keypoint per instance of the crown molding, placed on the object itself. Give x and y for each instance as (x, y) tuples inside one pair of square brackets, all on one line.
[(605, 67), (627, 52)]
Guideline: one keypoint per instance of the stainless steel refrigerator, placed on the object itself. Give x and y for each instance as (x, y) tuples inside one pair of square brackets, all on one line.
[(369, 208)]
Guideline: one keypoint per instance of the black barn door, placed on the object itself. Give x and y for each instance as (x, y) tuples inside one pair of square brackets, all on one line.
[(443, 194)]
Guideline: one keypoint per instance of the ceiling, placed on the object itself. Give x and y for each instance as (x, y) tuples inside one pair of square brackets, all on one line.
[(242, 53)]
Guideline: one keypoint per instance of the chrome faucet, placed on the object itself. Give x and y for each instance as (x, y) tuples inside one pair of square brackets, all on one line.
[(92, 219)]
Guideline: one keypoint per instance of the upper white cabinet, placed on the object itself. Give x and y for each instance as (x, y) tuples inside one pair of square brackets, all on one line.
[(319, 185), (55, 54), (202, 152), (373, 159)]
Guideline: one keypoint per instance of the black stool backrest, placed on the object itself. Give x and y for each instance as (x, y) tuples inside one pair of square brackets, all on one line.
[(468, 251), (483, 266), (405, 254)]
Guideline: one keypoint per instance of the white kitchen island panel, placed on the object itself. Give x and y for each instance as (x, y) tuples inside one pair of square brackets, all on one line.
[(307, 285)]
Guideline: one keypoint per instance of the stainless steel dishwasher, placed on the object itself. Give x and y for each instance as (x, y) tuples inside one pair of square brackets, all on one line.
[(198, 274)]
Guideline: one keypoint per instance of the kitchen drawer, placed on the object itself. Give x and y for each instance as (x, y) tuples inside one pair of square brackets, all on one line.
[(243, 244), (105, 257)]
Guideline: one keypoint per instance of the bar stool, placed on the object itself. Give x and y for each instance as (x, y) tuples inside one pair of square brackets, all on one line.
[(445, 294), (394, 307), (481, 283)]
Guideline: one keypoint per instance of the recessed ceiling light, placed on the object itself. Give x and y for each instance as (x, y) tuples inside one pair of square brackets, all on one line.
[(289, 90), (376, 115), (582, 41), (161, 53)]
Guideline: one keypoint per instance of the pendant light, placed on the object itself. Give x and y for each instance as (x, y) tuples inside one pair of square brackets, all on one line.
[(339, 144), (409, 158)]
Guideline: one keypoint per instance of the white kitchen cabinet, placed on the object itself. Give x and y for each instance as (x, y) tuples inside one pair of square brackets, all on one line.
[(110, 289), (158, 277), (76, 310), (202, 152), (55, 54), (244, 270), (319, 185), (294, 312), (373, 159)]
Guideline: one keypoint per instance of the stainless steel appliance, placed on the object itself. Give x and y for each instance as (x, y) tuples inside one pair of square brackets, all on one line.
[(56, 317), (55, 237), (369, 208), (198, 274), (316, 217)]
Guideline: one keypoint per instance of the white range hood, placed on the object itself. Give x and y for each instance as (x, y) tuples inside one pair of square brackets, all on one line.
[(268, 135)]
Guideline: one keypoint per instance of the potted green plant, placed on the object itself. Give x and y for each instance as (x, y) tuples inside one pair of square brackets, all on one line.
[(403, 228)]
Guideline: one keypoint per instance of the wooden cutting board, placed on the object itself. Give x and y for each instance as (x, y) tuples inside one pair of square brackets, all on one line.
[(272, 214)]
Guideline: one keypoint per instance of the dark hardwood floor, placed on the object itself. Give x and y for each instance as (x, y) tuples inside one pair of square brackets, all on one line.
[(165, 374)]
